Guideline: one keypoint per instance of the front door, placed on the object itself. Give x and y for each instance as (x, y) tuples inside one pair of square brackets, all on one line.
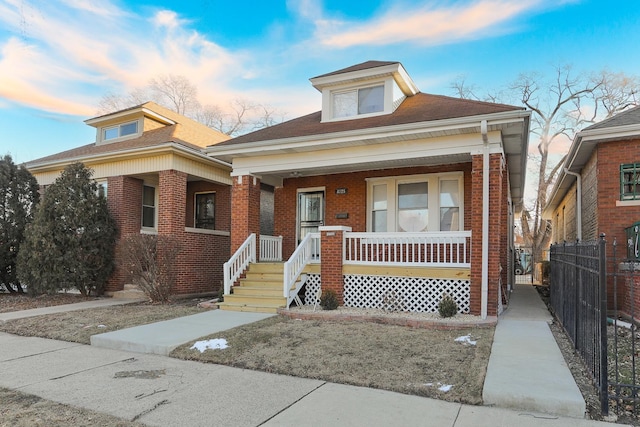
[(310, 212)]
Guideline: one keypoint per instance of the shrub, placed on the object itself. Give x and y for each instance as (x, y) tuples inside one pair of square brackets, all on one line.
[(149, 261), (447, 307), (18, 199), (70, 242), (329, 299)]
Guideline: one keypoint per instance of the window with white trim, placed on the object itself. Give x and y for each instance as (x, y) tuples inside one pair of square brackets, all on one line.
[(148, 207), (416, 203), (358, 101), (102, 188), (121, 130)]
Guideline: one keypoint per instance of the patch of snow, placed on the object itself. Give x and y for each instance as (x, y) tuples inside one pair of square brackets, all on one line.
[(214, 344), (102, 326), (465, 339), (442, 387)]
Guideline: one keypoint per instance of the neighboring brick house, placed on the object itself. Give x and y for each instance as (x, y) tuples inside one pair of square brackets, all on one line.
[(150, 163), (380, 196), (598, 189)]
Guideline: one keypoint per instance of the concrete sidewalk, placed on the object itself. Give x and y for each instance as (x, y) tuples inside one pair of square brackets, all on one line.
[(526, 368), (97, 303), (160, 391)]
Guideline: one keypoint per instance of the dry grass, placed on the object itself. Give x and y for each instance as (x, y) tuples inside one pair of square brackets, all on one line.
[(396, 358), (78, 326), (26, 410)]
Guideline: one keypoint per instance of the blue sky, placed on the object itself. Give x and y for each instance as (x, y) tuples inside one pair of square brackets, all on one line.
[(59, 57)]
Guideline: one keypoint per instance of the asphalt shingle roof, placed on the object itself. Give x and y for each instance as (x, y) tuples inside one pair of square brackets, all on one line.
[(629, 117)]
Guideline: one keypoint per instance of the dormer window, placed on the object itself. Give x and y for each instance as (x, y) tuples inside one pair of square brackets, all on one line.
[(119, 131), (359, 101)]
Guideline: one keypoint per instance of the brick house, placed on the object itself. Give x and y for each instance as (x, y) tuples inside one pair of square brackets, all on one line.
[(149, 162), (598, 189), (389, 196)]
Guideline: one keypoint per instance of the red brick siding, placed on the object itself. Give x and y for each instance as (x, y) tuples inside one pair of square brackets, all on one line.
[(245, 211), (331, 266), (124, 198), (223, 203), (200, 262)]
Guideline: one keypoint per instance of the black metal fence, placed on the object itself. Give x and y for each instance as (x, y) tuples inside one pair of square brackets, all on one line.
[(579, 301), (594, 297)]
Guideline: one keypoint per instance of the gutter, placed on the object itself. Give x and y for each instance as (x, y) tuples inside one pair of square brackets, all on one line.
[(485, 220)]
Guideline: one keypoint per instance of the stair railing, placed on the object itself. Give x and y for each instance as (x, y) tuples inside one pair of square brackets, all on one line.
[(295, 265), (239, 262)]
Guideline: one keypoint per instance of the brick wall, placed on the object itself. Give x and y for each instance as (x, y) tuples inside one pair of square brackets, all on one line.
[(199, 264), (354, 202)]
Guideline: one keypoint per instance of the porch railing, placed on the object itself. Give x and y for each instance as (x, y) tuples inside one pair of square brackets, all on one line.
[(297, 262), (239, 262), (270, 248), (436, 249)]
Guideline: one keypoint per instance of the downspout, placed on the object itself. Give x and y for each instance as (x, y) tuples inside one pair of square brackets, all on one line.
[(485, 220), (578, 202)]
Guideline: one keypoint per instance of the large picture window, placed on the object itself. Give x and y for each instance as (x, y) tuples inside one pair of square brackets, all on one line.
[(416, 203), (205, 211), (630, 181)]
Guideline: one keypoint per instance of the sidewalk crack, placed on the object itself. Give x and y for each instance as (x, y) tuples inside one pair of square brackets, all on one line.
[(290, 405)]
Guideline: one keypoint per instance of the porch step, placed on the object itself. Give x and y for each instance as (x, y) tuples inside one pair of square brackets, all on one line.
[(266, 267), (254, 299), (248, 307), (260, 291)]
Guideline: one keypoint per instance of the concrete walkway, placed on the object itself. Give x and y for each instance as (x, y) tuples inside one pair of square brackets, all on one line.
[(97, 303), (526, 369), (526, 378)]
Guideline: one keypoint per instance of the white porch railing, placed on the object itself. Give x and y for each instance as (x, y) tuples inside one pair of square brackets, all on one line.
[(239, 262), (270, 248), (433, 249), (297, 262)]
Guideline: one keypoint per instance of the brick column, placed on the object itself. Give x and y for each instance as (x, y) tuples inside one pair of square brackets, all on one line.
[(172, 202), (124, 198), (495, 233), (245, 211), (331, 242)]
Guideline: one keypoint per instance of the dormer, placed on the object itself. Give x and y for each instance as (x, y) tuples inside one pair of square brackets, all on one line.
[(128, 124), (368, 89)]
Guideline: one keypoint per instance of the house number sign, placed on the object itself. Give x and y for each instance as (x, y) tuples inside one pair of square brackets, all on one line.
[(341, 190)]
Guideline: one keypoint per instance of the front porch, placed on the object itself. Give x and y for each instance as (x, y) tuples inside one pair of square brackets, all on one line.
[(392, 271)]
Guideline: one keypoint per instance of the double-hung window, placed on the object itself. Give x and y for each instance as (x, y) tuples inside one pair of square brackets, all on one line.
[(630, 181), (148, 207), (415, 203)]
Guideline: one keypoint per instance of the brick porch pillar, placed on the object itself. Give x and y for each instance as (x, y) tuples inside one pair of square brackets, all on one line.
[(245, 211), (172, 202), (495, 233), (124, 198), (331, 243)]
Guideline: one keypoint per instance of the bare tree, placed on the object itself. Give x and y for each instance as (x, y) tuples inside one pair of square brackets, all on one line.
[(561, 105), (180, 95)]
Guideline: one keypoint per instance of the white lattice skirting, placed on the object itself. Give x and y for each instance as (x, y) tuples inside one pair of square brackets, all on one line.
[(416, 294)]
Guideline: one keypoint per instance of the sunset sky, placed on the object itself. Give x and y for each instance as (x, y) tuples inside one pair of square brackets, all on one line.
[(58, 58)]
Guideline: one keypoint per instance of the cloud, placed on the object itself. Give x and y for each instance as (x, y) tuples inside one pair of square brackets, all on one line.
[(62, 57), (425, 26)]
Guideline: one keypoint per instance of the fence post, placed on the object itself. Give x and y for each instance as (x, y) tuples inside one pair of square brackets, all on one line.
[(577, 305), (604, 386)]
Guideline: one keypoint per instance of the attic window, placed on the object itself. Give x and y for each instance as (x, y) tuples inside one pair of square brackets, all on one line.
[(359, 101), (124, 129)]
